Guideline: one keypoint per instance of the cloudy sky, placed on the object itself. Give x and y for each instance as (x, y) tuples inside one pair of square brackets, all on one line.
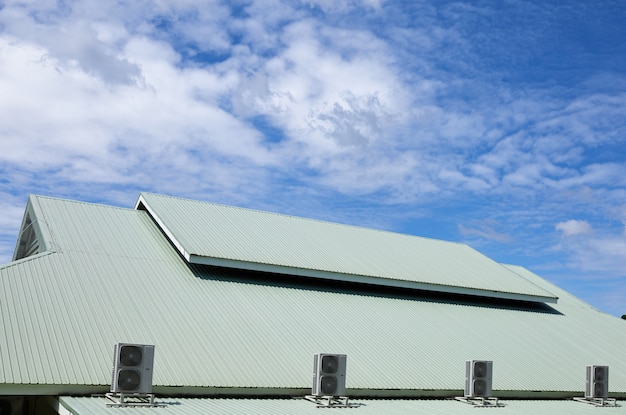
[(497, 124)]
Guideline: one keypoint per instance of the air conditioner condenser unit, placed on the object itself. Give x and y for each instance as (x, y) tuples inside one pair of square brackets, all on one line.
[(597, 385), (132, 368), (478, 378), (329, 374)]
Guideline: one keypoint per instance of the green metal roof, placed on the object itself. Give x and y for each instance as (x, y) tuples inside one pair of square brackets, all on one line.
[(206, 233), (114, 277), (181, 406)]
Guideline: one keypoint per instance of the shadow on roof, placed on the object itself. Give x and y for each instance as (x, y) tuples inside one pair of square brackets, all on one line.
[(210, 272)]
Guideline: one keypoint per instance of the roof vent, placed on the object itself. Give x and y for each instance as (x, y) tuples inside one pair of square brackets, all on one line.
[(28, 243)]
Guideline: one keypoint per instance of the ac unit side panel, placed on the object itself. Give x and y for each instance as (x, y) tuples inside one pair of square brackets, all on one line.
[(468, 378)]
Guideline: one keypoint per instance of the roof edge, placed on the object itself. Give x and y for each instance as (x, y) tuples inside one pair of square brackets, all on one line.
[(268, 392), (18, 262), (141, 204)]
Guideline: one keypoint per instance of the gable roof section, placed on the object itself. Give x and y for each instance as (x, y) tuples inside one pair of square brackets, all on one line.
[(114, 277), (211, 234)]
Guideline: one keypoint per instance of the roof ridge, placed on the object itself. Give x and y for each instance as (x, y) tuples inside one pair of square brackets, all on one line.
[(79, 202)]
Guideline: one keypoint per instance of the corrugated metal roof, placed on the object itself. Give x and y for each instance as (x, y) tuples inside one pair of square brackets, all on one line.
[(115, 278), (179, 406), (227, 236)]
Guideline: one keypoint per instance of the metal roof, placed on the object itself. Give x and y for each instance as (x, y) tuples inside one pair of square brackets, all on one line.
[(208, 233), (114, 277), (189, 406)]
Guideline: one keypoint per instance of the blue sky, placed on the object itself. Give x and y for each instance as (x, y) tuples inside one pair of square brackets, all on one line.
[(498, 124)]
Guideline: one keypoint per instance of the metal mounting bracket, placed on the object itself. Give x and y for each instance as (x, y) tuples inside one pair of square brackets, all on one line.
[(480, 402), (610, 402), (331, 401), (132, 400)]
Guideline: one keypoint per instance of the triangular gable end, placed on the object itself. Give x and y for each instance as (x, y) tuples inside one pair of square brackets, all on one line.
[(34, 236)]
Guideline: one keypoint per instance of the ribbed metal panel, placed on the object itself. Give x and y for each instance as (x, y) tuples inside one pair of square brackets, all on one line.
[(115, 278), (176, 406), (206, 232)]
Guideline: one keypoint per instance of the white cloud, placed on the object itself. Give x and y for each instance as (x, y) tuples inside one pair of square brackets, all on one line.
[(605, 255), (485, 230), (594, 251), (340, 96), (574, 227), (58, 116), (310, 87), (334, 6)]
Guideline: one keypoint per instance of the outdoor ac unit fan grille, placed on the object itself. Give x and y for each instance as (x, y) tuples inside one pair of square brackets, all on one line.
[(130, 355), (128, 380)]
